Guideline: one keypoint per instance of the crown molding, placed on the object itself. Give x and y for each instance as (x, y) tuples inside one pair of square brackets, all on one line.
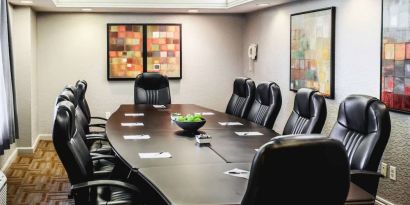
[(159, 4)]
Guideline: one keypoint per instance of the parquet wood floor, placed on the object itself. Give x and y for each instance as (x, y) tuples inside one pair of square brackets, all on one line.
[(38, 179)]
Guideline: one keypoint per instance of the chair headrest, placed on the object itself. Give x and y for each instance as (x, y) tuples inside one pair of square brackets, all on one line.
[(240, 87), (356, 112), (83, 82), (151, 81), (73, 89), (303, 102), (64, 120), (81, 87), (66, 95), (266, 91)]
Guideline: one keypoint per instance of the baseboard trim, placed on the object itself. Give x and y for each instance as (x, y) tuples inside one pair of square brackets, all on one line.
[(24, 150), (10, 160), (383, 201), (30, 150)]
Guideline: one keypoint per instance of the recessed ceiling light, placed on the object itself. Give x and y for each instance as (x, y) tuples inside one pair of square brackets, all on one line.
[(262, 4), (86, 9), (193, 10), (26, 2)]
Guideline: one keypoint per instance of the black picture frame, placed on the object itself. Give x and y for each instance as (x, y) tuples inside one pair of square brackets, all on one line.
[(144, 52), (331, 95), (381, 65)]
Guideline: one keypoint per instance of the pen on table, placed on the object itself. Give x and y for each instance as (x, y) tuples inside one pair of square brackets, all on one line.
[(237, 172)]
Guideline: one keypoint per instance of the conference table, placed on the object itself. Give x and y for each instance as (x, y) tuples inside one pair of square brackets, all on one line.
[(194, 174)]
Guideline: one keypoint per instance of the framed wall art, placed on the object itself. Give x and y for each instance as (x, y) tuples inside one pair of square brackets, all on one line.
[(136, 48), (395, 55), (312, 51)]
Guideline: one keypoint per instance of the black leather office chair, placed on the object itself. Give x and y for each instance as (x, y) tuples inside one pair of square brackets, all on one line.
[(363, 126), (96, 142), (151, 88), (267, 104), (308, 115), (299, 170), (81, 87), (78, 163), (242, 97)]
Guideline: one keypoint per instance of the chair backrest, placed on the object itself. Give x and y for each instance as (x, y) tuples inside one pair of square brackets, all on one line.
[(69, 145), (151, 88), (242, 97), (81, 86), (71, 93), (299, 170), (363, 126), (267, 104), (308, 115), (80, 120)]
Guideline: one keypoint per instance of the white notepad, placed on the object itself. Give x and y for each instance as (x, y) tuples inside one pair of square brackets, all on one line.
[(134, 114), (238, 173), (208, 113), (248, 133), (229, 123), (154, 155), (132, 124), (159, 106), (136, 137)]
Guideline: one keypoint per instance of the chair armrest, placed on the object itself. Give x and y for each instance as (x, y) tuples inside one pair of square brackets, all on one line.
[(100, 174), (100, 151), (97, 125), (96, 183), (365, 172), (96, 137), (99, 118), (279, 137), (102, 156), (367, 180)]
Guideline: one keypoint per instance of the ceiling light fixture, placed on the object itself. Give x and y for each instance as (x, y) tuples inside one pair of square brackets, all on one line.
[(262, 4), (26, 2), (193, 11), (86, 9)]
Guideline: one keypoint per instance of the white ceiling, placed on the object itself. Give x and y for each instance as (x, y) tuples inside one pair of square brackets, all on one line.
[(151, 6)]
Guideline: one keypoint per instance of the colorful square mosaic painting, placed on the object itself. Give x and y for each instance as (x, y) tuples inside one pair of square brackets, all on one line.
[(138, 48), (312, 51), (163, 49), (395, 71), (125, 51)]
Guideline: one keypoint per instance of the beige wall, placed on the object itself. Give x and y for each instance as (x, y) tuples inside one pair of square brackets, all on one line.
[(358, 27), (24, 53), (73, 46)]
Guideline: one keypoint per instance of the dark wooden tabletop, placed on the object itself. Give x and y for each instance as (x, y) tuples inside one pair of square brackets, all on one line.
[(166, 136), (196, 169)]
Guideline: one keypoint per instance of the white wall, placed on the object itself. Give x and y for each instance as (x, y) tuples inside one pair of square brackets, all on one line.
[(73, 46), (358, 27)]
